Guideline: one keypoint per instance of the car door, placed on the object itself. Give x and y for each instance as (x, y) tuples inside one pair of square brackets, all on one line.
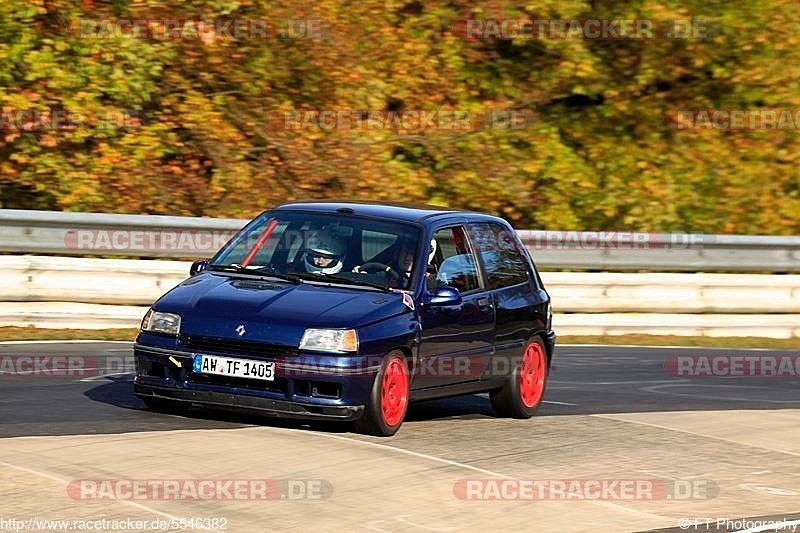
[(520, 306), (456, 339)]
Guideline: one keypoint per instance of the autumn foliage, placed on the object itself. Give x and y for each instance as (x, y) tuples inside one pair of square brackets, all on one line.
[(195, 124)]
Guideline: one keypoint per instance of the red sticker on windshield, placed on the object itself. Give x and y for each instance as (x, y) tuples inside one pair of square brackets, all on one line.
[(408, 301)]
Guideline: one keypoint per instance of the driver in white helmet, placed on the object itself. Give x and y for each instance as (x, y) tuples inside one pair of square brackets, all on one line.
[(432, 267), (324, 253)]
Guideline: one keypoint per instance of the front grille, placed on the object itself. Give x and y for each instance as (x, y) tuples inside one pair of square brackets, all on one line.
[(214, 345), (278, 385)]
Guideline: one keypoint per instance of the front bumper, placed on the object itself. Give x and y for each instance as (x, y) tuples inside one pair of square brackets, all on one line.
[(280, 408), (304, 387)]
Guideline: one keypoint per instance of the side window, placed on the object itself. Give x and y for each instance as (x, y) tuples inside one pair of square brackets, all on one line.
[(503, 260), (453, 263)]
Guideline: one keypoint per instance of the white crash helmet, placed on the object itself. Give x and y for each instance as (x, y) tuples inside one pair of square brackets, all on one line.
[(432, 252), (324, 253)]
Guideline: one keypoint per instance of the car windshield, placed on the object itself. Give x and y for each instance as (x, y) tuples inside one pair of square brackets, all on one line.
[(300, 246)]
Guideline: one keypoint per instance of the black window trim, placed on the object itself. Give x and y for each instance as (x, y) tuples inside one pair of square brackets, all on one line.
[(481, 285)]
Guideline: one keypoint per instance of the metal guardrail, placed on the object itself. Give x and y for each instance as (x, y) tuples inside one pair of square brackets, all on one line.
[(33, 278), (670, 252), (57, 233), (91, 293), (97, 316)]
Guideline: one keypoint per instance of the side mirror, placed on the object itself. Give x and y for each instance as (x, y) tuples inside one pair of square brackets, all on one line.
[(444, 296), (197, 267)]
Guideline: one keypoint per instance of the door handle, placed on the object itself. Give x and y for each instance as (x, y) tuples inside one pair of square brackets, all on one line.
[(484, 302)]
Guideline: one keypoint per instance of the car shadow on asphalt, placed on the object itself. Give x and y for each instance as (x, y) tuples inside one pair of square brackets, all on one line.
[(562, 398), (117, 391)]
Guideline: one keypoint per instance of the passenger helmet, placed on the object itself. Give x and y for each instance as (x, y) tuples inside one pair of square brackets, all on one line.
[(432, 251)]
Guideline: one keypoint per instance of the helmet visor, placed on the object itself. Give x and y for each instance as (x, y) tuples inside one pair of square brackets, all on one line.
[(322, 259)]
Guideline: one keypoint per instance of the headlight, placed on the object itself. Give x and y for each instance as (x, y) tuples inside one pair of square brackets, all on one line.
[(156, 322), (330, 340)]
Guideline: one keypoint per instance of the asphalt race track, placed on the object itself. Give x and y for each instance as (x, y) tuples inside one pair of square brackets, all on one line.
[(706, 453)]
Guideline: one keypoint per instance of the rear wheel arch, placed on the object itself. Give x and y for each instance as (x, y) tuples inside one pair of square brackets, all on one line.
[(519, 397), (542, 336)]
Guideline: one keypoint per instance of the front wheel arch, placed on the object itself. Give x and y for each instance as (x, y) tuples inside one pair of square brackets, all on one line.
[(386, 409)]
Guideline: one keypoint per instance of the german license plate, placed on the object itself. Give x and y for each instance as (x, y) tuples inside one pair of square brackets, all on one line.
[(228, 366)]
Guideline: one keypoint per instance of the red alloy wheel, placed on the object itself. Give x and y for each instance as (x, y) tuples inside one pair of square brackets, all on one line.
[(532, 375), (394, 392)]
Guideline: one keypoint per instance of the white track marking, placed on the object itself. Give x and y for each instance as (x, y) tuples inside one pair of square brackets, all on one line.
[(404, 520), (449, 462), (558, 403), (686, 431), (771, 526), (101, 376), (66, 482), (766, 489), (670, 347), (433, 458), (331, 436), (76, 370), (657, 390), (618, 382)]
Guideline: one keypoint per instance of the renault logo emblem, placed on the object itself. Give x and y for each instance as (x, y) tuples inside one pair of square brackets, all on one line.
[(240, 330)]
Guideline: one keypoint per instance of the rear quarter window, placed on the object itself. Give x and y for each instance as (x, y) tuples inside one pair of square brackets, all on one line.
[(499, 250)]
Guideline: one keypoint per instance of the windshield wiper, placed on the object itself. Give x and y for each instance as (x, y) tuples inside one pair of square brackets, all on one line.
[(346, 281), (227, 268), (239, 269), (285, 277)]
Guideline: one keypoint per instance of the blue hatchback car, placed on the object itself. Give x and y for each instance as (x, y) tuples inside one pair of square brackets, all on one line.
[(349, 311)]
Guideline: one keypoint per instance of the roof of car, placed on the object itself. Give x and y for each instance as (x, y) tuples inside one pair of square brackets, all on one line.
[(407, 213)]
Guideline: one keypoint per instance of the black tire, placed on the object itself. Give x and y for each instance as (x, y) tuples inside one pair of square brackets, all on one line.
[(511, 401), (374, 420)]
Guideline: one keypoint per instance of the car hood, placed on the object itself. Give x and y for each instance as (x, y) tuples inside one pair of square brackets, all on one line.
[(215, 305)]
